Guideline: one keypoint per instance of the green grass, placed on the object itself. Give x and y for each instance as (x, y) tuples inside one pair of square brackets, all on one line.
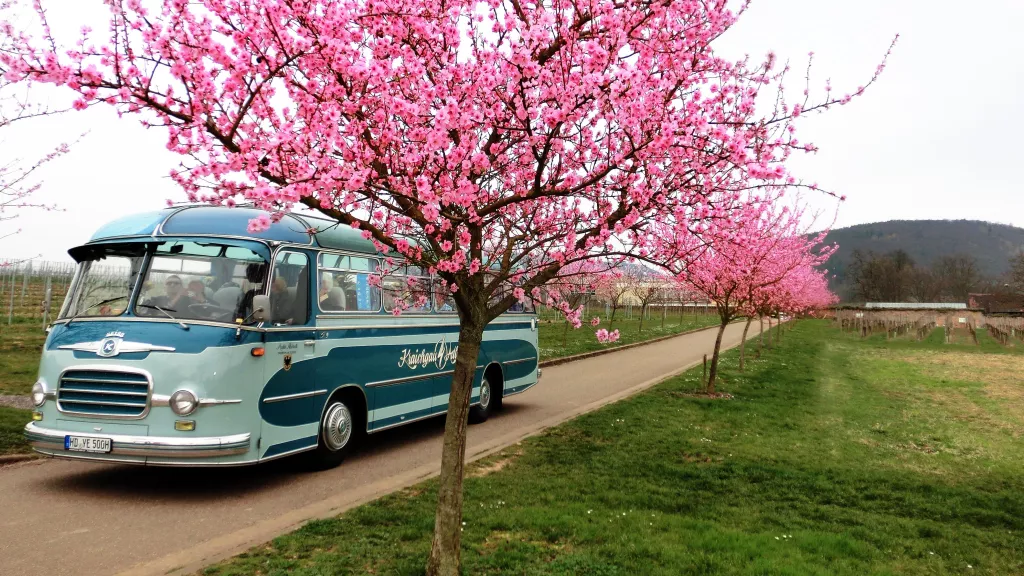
[(837, 456), (557, 342), (12, 422), (21, 345)]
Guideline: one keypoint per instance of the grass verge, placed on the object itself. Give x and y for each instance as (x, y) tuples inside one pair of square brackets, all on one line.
[(555, 341), (836, 456), (12, 422), (21, 344)]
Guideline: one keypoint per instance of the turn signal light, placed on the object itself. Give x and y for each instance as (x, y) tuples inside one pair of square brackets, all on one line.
[(257, 351), (184, 425), (37, 416)]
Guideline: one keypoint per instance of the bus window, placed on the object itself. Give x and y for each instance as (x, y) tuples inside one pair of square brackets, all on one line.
[(443, 301), (408, 293), (103, 286), (289, 290), (345, 284)]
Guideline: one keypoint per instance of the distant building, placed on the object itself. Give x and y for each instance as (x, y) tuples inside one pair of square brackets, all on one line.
[(917, 305), (997, 303)]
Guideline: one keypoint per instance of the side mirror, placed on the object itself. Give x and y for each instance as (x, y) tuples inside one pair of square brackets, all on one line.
[(261, 307)]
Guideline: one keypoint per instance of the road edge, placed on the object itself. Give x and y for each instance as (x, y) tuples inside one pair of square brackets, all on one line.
[(194, 559)]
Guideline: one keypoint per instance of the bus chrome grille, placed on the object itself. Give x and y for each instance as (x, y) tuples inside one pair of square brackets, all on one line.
[(103, 393)]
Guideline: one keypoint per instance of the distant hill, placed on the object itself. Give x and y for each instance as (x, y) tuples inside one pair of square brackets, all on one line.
[(925, 240)]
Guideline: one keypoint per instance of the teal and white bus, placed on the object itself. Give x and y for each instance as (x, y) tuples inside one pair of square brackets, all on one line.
[(185, 339)]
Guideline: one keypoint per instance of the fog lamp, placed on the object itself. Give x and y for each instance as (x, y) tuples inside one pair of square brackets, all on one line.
[(184, 425), (37, 416), (183, 402), (38, 393)]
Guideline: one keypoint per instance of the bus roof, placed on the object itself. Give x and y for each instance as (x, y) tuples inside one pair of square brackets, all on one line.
[(233, 222)]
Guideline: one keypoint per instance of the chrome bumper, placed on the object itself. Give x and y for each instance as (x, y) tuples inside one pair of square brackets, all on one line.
[(51, 442)]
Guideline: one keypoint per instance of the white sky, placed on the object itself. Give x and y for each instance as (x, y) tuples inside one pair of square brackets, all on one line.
[(937, 137)]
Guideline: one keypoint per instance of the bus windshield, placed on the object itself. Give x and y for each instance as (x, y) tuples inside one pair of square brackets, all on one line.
[(105, 282), (201, 281)]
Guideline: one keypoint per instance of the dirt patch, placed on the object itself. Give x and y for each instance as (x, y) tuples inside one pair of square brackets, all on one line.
[(499, 538), (704, 395), (412, 492), (495, 465), (16, 401)]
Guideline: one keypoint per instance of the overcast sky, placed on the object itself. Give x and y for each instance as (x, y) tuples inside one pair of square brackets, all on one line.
[(937, 137)]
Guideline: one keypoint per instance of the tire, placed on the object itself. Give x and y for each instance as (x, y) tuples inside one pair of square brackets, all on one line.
[(488, 402), (340, 432)]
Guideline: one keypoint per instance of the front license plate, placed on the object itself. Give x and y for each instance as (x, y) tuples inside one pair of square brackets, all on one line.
[(87, 444)]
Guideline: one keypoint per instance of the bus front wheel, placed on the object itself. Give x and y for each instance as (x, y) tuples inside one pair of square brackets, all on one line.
[(339, 432), (486, 405)]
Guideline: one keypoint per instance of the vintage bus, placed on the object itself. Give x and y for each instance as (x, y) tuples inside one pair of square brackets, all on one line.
[(185, 339)]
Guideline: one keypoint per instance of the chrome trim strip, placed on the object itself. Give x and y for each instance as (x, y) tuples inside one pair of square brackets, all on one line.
[(404, 422), (288, 453), (519, 361), (506, 394), (215, 402), (146, 462), (405, 379), (160, 321), (127, 445), (107, 368), (104, 402), (123, 347), (296, 396), (103, 381), (164, 400)]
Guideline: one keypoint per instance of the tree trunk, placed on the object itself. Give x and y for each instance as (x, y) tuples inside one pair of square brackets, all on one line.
[(664, 314), (446, 547), (714, 358), (611, 322), (778, 331), (643, 312), (743, 342), (760, 336), (565, 333)]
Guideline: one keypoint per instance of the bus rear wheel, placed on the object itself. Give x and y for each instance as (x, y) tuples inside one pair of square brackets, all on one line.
[(339, 433)]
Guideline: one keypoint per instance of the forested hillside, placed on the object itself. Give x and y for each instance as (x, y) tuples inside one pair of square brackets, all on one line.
[(925, 242)]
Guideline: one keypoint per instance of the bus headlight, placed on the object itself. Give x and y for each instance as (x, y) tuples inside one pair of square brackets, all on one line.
[(183, 402), (38, 393)]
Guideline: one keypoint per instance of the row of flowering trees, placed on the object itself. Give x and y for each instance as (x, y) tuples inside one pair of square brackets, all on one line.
[(501, 144)]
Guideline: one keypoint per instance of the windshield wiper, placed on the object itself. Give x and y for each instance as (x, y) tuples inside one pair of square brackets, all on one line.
[(101, 303), (166, 312)]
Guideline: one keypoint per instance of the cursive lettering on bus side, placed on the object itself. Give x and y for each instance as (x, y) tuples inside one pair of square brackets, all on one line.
[(442, 355)]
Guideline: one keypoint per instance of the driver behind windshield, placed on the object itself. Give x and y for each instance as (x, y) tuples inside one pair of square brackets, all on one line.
[(175, 297)]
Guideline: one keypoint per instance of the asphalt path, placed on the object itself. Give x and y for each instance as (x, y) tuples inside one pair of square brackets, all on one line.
[(61, 517)]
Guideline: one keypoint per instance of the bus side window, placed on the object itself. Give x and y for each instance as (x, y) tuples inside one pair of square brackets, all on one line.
[(289, 290)]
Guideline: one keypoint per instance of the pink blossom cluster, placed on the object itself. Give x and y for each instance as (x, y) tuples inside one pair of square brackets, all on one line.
[(606, 337)]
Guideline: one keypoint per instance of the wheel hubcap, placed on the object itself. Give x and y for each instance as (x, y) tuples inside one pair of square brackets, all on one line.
[(337, 427), (485, 394)]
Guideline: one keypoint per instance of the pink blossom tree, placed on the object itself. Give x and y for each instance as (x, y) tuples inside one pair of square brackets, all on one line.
[(493, 143), (19, 177), (749, 260)]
